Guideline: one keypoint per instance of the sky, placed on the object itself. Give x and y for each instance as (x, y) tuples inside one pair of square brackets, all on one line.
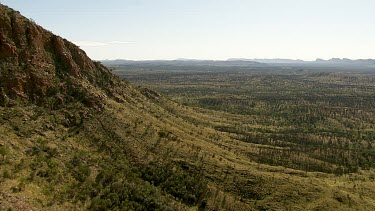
[(210, 29)]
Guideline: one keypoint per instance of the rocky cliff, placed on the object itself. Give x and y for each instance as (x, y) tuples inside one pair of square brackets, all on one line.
[(39, 67)]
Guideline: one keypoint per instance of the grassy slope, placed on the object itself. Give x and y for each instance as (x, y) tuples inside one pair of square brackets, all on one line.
[(134, 132), (287, 187)]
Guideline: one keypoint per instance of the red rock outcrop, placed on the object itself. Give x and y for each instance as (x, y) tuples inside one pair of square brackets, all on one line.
[(40, 67)]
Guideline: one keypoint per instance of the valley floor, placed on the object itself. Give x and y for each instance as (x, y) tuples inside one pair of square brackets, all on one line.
[(213, 150)]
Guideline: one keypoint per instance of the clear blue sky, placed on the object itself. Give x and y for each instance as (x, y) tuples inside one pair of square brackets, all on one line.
[(210, 29)]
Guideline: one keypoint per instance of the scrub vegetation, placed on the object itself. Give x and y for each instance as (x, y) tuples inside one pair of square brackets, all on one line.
[(74, 136)]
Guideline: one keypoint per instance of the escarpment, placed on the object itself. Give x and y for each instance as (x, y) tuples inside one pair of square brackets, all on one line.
[(42, 68)]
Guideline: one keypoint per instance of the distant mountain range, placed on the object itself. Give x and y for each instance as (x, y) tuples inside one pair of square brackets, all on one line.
[(346, 61), (269, 60), (321, 61), (244, 61), (183, 62), (334, 64)]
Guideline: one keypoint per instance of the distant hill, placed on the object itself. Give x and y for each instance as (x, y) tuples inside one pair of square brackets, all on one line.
[(296, 61), (242, 62), (347, 61), (271, 61), (260, 65), (182, 62)]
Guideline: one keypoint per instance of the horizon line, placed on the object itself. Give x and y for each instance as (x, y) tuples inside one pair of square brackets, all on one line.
[(238, 59)]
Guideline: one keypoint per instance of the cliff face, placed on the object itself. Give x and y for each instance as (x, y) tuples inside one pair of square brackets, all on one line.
[(40, 67)]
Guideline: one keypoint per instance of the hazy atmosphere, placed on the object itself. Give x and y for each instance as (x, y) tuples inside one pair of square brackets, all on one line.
[(166, 29), (187, 105)]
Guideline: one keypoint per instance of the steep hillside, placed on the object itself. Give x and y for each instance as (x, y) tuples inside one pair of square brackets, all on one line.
[(45, 69), (73, 136)]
